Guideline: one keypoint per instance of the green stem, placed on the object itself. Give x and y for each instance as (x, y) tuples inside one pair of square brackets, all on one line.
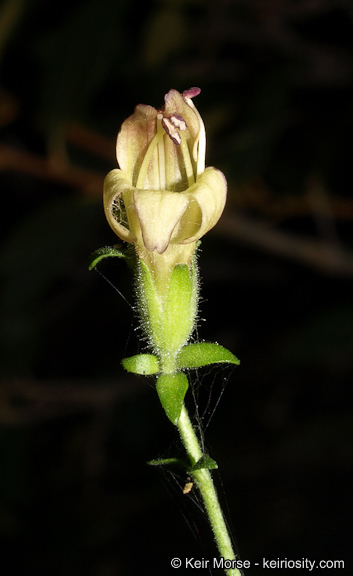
[(204, 482), (169, 322)]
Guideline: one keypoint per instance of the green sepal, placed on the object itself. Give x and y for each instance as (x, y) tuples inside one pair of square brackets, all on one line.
[(203, 354), (106, 252), (168, 462), (168, 315), (145, 364), (150, 306), (180, 307), (171, 389), (205, 462)]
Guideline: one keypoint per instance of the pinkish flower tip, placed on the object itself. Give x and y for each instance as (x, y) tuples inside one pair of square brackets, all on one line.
[(192, 92)]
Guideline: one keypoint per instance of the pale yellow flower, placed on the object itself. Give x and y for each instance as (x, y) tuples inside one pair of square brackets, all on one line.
[(162, 198)]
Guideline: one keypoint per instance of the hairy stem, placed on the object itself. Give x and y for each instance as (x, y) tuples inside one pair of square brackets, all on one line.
[(204, 482)]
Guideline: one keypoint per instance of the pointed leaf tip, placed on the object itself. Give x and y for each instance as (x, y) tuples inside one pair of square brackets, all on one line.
[(106, 252), (204, 354), (205, 462), (171, 389)]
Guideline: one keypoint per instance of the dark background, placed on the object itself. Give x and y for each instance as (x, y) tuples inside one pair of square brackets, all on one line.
[(76, 495)]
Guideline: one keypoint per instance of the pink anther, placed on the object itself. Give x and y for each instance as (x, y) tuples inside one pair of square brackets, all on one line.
[(192, 92)]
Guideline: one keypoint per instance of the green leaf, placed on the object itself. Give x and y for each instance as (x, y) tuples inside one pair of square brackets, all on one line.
[(171, 389), (205, 462), (167, 462), (203, 354), (145, 364), (106, 252)]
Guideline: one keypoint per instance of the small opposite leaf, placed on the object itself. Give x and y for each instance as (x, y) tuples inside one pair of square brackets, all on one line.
[(106, 252), (203, 354), (205, 462), (145, 364), (167, 462), (171, 390)]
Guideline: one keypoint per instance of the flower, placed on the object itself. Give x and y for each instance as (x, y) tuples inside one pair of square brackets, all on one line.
[(162, 198)]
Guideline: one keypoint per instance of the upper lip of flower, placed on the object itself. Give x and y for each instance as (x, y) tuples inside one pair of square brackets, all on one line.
[(163, 149)]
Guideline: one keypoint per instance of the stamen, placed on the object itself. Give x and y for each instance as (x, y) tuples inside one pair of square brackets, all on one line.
[(199, 151), (161, 163), (191, 92), (187, 161), (171, 130), (178, 122)]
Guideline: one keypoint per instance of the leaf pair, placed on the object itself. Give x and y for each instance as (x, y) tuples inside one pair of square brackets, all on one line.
[(190, 356), (205, 462), (171, 388)]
